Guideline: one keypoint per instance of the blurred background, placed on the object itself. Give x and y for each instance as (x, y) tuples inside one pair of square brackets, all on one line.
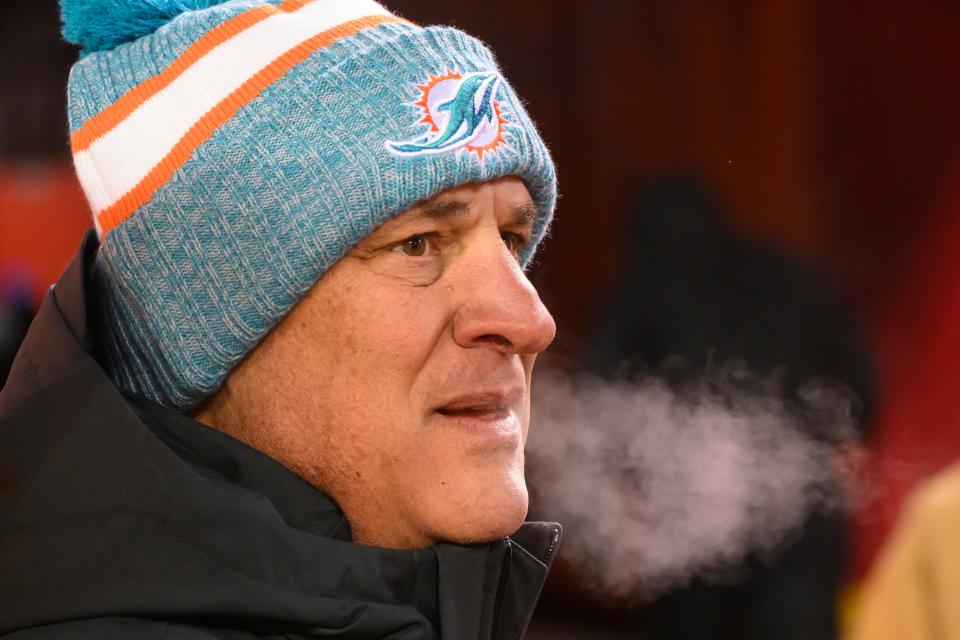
[(777, 182)]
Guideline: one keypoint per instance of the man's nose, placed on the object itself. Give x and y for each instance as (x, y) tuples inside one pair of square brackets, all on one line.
[(499, 308)]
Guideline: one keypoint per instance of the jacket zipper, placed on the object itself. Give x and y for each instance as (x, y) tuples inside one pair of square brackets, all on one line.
[(554, 538)]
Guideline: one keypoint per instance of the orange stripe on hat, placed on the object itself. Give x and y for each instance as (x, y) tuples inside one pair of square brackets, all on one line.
[(113, 115), (110, 117), (293, 5), (204, 128)]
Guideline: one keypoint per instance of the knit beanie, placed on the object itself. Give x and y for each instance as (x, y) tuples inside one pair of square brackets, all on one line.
[(233, 151)]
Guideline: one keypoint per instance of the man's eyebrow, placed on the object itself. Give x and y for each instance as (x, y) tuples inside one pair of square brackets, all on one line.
[(445, 209), (525, 214)]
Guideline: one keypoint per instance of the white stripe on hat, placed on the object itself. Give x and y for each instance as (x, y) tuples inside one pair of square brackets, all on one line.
[(119, 160)]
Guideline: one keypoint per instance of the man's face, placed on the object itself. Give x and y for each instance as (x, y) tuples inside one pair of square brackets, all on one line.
[(400, 385)]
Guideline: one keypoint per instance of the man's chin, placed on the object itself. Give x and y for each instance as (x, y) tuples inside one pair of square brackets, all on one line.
[(490, 520)]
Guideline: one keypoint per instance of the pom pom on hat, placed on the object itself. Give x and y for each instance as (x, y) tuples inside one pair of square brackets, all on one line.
[(95, 25)]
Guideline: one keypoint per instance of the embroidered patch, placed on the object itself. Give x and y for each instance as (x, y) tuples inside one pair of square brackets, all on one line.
[(462, 112)]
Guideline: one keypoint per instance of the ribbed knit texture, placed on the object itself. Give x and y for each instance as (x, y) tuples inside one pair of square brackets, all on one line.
[(98, 79), (195, 278)]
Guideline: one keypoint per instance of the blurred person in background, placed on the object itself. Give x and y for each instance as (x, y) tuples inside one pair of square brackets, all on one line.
[(283, 389), (693, 295), (913, 590)]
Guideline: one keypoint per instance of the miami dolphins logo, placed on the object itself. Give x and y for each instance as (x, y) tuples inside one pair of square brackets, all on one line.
[(461, 111)]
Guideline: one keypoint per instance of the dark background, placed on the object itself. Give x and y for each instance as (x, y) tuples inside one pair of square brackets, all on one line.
[(826, 131)]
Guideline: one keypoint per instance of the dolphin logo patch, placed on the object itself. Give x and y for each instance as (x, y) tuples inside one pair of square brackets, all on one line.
[(461, 111)]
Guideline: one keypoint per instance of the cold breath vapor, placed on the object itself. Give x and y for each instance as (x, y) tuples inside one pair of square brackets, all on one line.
[(656, 485)]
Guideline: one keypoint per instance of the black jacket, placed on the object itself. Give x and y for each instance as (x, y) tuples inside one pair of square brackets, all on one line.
[(122, 519)]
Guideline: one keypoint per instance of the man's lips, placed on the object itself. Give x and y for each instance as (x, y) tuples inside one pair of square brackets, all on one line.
[(480, 412), (488, 405), (492, 416)]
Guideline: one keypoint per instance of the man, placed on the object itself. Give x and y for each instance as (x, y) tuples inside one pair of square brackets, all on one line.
[(284, 390)]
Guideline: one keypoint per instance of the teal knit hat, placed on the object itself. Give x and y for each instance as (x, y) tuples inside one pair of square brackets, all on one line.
[(233, 151)]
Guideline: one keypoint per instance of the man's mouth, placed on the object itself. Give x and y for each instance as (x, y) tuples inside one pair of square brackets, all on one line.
[(478, 407), (489, 414), (490, 401)]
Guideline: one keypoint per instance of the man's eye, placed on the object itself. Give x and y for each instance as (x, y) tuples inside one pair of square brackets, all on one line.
[(514, 242), (414, 246)]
